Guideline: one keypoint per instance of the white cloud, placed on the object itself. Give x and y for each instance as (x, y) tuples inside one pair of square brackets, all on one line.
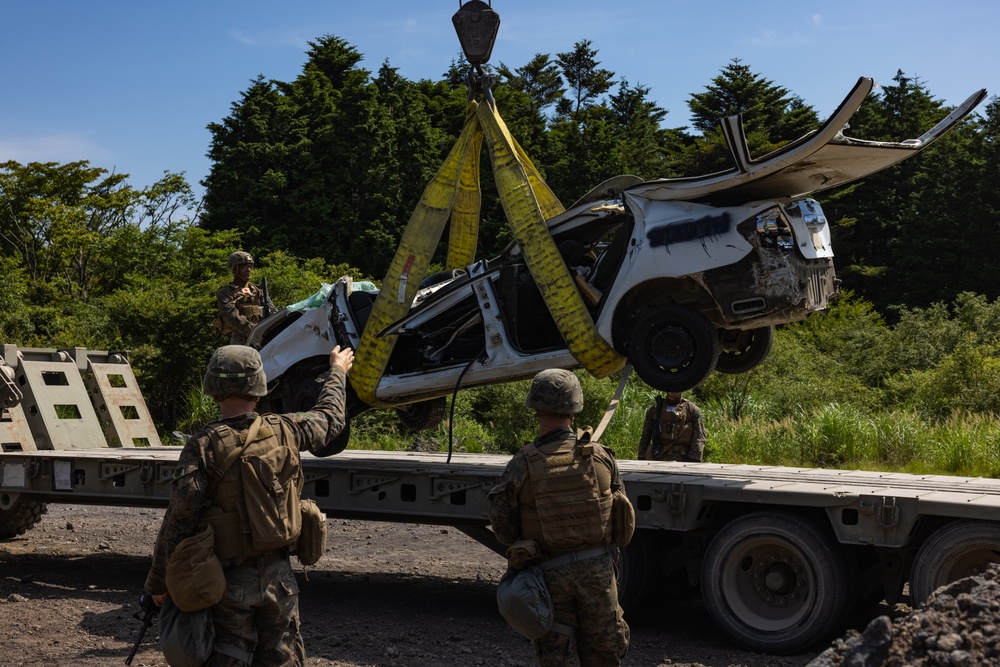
[(772, 37), (283, 38), (817, 19), (51, 148)]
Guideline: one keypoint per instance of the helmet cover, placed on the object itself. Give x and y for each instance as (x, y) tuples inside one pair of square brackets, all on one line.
[(235, 370), (555, 391), (237, 258)]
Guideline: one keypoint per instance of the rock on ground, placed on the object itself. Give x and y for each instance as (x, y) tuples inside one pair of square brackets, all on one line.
[(956, 628)]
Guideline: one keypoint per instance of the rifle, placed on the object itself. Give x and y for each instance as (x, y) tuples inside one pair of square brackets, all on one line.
[(657, 427), (149, 614), (268, 307)]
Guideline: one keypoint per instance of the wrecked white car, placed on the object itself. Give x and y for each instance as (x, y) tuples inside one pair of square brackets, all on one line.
[(682, 276)]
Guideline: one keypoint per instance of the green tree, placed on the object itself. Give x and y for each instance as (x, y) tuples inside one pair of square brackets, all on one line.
[(585, 80), (539, 79), (771, 115), (897, 232), (642, 143)]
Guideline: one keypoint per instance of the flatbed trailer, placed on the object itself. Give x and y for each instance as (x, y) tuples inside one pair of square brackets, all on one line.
[(781, 554)]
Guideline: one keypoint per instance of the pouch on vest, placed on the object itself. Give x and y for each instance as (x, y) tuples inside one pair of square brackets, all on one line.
[(524, 602), (220, 328), (194, 576), (187, 639), (522, 552), (622, 519), (312, 540)]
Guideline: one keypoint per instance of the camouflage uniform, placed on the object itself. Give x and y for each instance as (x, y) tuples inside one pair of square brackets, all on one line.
[(259, 611), (681, 432), (584, 593), (241, 307)]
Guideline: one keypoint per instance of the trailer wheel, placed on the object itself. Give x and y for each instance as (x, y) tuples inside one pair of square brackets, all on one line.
[(959, 549), (673, 348), (774, 583), (18, 514), (423, 415), (634, 572), (743, 350)]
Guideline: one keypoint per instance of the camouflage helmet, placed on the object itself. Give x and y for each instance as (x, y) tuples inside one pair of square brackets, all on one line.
[(235, 370), (555, 391), (237, 258)]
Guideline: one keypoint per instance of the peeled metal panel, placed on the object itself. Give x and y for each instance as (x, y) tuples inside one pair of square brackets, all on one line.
[(56, 405), (120, 405), (818, 161)]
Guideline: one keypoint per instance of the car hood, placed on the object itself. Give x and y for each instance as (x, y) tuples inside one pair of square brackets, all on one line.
[(818, 161)]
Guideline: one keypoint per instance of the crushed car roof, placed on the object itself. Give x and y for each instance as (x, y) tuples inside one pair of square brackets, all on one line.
[(820, 160)]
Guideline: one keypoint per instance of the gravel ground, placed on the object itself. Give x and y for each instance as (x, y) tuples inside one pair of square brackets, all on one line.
[(385, 594)]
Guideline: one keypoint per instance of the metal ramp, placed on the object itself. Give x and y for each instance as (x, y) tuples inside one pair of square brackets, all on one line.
[(119, 403), (80, 399), (15, 436)]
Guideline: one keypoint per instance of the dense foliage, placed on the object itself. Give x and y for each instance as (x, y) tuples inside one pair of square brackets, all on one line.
[(317, 177)]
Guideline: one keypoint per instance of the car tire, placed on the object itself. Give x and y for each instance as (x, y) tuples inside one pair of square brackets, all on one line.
[(673, 348), (743, 350), (423, 415)]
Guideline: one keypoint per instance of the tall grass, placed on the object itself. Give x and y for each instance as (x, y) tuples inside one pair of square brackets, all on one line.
[(493, 420)]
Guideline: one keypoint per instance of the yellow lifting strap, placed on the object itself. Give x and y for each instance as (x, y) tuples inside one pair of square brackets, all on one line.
[(454, 190)]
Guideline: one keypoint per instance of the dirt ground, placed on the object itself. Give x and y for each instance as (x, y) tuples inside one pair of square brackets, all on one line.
[(385, 594)]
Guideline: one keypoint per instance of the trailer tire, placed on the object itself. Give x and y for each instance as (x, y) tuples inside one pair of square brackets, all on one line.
[(775, 583), (18, 515), (957, 550), (634, 572), (743, 350), (673, 348)]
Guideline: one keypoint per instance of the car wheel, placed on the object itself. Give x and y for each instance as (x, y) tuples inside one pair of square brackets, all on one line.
[(673, 348), (423, 415), (743, 350)]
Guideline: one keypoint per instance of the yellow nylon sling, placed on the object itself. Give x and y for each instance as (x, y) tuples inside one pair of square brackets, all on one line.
[(464, 230), (527, 201), (413, 256), (527, 221)]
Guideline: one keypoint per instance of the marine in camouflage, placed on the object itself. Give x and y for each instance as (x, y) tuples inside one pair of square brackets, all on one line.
[(270, 581), (241, 307), (240, 303), (672, 430), (584, 593)]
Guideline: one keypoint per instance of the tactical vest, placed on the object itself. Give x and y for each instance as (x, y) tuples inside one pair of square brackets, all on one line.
[(255, 491), (249, 302), (675, 432), (568, 505)]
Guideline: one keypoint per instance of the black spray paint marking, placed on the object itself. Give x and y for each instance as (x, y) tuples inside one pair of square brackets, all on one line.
[(690, 230)]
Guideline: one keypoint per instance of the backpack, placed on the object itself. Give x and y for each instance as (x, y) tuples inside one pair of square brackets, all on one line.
[(267, 491)]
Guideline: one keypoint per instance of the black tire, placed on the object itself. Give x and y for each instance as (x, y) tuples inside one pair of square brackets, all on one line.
[(635, 571), (673, 348), (743, 350), (18, 515), (422, 416), (306, 394), (304, 398), (338, 444), (775, 583), (959, 549)]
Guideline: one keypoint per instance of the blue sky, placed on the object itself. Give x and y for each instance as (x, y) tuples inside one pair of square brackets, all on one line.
[(131, 85)]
